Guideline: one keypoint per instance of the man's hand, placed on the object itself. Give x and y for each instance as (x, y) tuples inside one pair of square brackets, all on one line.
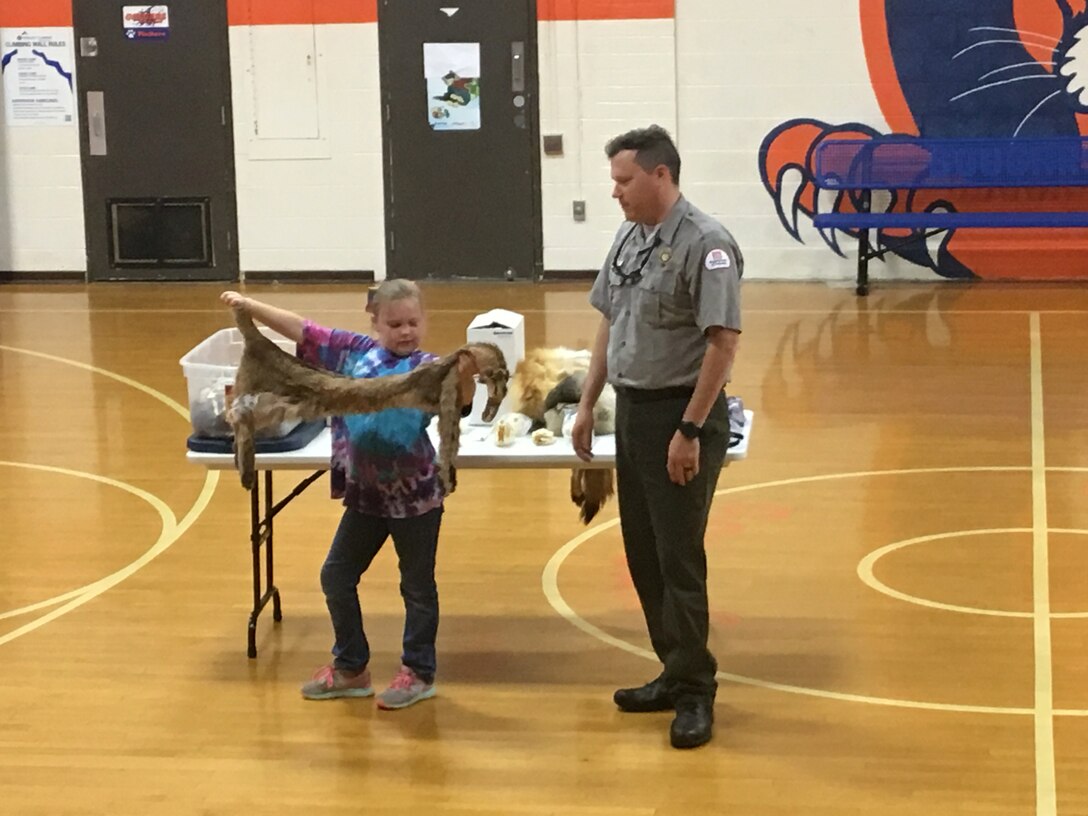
[(683, 461), (581, 435), (235, 300), (467, 371)]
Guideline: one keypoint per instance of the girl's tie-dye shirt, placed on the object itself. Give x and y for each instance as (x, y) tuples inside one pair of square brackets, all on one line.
[(383, 464)]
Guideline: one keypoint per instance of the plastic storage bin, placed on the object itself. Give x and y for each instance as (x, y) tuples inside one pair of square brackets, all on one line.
[(210, 369)]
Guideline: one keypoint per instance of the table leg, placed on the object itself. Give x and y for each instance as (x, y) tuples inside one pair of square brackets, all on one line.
[(277, 612), (260, 533), (255, 545)]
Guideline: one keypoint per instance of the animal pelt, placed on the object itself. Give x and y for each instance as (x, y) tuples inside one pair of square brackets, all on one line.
[(538, 373), (590, 489), (546, 381), (569, 392), (272, 386)]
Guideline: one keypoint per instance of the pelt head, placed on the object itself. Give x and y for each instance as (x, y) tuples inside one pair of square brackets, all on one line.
[(492, 372)]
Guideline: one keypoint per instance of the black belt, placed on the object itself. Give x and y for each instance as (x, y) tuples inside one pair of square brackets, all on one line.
[(637, 395)]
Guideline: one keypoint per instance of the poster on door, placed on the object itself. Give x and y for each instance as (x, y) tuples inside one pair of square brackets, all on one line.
[(452, 73), (37, 77), (146, 23)]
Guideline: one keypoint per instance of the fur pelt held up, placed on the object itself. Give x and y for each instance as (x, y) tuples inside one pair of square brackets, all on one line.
[(272, 386)]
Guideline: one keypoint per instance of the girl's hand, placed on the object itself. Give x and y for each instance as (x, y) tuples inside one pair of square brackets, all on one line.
[(235, 300)]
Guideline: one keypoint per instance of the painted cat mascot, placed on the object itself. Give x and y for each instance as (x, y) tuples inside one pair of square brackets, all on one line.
[(958, 69)]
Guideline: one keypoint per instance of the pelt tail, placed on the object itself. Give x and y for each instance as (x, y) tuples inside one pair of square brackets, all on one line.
[(246, 326), (590, 489), (245, 448)]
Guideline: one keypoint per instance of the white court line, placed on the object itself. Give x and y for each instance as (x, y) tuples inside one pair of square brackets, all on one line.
[(1046, 786)]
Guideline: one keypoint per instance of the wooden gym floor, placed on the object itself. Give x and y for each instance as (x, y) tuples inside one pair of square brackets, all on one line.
[(899, 580)]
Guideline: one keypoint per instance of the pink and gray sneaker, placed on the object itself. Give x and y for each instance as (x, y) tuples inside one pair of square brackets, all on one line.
[(407, 688), (329, 683)]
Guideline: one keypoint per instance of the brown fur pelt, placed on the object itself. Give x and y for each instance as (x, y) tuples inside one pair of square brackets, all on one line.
[(543, 381), (538, 373), (590, 489), (272, 386)]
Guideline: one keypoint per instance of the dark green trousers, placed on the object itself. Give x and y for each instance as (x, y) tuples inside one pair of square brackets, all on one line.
[(663, 526)]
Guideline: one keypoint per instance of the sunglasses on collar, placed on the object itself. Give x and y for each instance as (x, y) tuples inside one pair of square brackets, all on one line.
[(635, 275)]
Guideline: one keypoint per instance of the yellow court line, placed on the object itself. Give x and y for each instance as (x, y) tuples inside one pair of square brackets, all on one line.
[(867, 574), (1046, 785), (139, 386), (171, 532), (876, 310), (169, 535), (166, 539), (169, 526), (550, 587), (550, 580)]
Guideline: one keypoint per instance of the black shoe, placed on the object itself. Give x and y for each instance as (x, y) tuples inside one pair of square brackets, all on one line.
[(650, 697), (694, 721)]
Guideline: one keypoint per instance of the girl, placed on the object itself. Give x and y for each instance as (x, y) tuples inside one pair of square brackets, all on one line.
[(383, 468)]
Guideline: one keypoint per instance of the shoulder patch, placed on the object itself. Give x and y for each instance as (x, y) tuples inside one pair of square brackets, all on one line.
[(717, 259)]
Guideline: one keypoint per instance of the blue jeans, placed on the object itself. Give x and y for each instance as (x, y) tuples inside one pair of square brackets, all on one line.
[(358, 539)]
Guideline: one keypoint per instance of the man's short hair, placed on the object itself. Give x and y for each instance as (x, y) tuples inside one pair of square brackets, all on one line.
[(652, 146)]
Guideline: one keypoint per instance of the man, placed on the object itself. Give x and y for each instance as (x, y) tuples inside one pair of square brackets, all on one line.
[(669, 293)]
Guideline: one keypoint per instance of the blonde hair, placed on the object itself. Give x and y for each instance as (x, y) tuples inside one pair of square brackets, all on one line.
[(391, 290)]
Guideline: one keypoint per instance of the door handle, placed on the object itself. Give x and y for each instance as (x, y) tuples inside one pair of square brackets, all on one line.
[(96, 122), (517, 67)]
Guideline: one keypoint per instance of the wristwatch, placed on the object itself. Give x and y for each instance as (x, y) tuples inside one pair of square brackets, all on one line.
[(689, 430)]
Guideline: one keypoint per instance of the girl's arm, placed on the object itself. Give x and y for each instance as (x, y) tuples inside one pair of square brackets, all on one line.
[(286, 323)]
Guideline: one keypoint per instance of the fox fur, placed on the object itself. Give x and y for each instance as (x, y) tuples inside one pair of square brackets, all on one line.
[(544, 381)]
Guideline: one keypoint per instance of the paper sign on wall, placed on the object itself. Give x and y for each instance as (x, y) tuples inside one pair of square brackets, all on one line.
[(146, 22), (452, 73), (37, 70)]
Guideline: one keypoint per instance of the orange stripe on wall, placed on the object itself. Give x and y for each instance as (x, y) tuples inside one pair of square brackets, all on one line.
[(606, 9), (294, 12), (21, 13), (287, 12), (38, 13), (882, 73)]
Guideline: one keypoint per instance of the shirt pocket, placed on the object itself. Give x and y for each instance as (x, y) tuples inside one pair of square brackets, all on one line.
[(665, 302), (616, 293)]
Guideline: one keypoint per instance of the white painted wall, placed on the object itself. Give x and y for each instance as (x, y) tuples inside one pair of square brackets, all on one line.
[(41, 190), (307, 132), (308, 147), (591, 89), (744, 69)]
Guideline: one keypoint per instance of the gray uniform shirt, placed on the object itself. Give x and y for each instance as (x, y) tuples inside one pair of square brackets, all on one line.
[(660, 292)]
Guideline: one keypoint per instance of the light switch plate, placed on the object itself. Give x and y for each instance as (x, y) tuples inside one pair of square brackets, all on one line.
[(553, 144)]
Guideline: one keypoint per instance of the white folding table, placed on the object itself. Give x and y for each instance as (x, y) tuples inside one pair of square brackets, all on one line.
[(477, 449)]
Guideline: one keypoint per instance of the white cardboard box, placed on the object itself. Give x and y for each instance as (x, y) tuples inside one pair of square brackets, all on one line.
[(506, 330)]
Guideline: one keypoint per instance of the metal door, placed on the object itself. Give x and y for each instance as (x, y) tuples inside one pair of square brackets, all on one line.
[(157, 150), (462, 166)]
